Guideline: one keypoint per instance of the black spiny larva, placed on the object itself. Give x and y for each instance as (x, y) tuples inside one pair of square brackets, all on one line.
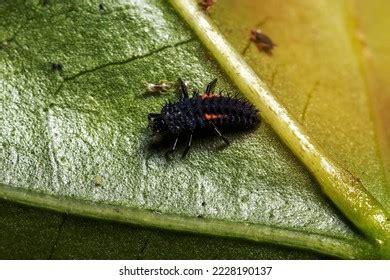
[(199, 112)]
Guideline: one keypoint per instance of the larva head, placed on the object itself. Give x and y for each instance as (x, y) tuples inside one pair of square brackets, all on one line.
[(157, 123)]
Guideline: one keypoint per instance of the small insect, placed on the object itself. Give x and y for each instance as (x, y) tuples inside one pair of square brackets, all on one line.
[(207, 4), (199, 112), (161, 87), (262, 41), (56, 66)]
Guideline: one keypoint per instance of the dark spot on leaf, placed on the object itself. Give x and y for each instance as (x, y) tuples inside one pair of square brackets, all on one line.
[(55, 66)]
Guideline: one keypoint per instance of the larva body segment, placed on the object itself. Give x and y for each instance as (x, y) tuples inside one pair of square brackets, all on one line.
[(203, 111)]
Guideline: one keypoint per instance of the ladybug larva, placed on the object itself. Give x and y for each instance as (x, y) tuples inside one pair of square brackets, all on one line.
[(206, 111)]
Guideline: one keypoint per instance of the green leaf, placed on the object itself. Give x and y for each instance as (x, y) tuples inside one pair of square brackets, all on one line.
[(61, 236), (76, 140)]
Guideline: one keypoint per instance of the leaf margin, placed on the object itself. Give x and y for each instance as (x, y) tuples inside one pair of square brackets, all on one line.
[(333, 246)]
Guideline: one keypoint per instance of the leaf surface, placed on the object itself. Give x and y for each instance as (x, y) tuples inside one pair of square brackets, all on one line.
[(76, 140), (323, 70)]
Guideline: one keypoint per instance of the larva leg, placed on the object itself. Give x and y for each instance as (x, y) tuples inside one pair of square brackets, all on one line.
[(173, 148), (188, 146), (220, 134)]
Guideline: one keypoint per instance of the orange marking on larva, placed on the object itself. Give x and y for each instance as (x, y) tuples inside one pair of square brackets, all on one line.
[(210, 117), (208, 95), (204, 96)]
